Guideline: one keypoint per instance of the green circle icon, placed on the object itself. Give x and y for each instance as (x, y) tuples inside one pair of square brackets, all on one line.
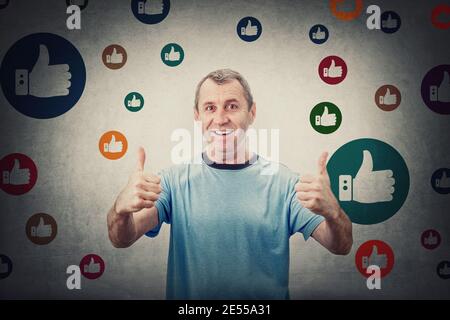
[(172, 54), (325, 117), (370, 179), (134, 101)]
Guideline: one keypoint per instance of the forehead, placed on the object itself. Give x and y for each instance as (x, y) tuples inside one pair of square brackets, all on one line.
[(229, 90)]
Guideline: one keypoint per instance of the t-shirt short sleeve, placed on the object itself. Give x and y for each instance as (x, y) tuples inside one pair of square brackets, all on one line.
[(301, 219), (163, 204)]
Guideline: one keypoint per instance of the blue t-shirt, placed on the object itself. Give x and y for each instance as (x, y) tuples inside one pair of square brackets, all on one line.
[(230, 229)]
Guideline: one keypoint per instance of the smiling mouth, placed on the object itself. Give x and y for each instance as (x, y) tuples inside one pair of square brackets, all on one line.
[(222, 133)]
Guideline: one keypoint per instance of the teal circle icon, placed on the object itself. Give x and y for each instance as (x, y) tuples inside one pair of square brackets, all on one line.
[(172, 54), (370, 179), (325, 117), (134, 101)]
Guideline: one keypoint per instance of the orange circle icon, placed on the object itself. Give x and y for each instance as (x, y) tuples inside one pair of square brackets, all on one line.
[(113, 145), (339, 9)]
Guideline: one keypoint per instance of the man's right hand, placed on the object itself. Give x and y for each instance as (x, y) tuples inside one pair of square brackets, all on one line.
[(142, 190)]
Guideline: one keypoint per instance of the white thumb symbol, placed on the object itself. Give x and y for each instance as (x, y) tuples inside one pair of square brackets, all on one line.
[(249, 24), (318, 30), (325, 111), (367, 164), (333, 64), (43, 59), (41, 222), (388, 92), (172, 50), (113, 139), (17, 165)]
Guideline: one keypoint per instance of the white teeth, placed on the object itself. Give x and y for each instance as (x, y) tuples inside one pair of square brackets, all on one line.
[(223, 132)]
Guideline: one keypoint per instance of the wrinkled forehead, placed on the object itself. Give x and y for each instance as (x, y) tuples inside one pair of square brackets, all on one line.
[(210, 91)]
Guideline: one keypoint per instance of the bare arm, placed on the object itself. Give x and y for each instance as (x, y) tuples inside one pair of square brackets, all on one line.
[(126, 229), (335, 234)]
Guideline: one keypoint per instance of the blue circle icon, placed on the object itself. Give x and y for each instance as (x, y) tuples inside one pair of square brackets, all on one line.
[(150, 11), (249, 29), (43, 75), (318, 34), (5, 266), (370, 179), (390, 22)]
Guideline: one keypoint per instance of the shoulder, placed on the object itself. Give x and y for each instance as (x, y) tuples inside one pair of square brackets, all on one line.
[(276, 169)]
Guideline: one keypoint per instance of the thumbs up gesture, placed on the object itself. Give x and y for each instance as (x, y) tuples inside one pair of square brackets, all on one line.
[(134, 103), (17, 175), (443, 182), (319, 34), (42, 230), (333, 71), (172, 55), (92, 267), (249, 30), (389, 98), (113, 146), (114, 57), (314, 192), (389, 23), (142, 190)]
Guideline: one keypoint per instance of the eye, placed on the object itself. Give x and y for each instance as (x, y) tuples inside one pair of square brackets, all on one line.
[(233, 106), (209, 108)]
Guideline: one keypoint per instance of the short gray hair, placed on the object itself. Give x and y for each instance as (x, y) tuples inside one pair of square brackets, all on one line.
[(222, 76)]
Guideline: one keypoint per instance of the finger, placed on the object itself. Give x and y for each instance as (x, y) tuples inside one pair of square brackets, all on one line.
[(147, 195), (149, 186), (304, 187), (305, 196), (141, 159), (367, 163), (322, 163), (43, 58), (307, 178), (152, 178)]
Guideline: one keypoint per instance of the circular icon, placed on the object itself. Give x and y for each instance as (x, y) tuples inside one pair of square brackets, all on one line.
[(430, 239), (134, 101), (440, 181), (150, 11), (5, 266), (4, 4), (332, 70), (374, 252), (435, 89), (43, 75), (172, 54), (325, 117), (388, 97), (113, 145), (92, 266), (438, 16), (370, 179), (318, 34), (80, 3), (114, 56), (249, 29), (443, 269), (390, 22), (346, 10), (19, 174), (41, 228)]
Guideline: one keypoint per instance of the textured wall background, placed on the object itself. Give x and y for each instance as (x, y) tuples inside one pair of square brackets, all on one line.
[(77, 185)]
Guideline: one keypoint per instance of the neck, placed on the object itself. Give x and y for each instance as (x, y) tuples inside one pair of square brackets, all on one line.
[(238, 156)]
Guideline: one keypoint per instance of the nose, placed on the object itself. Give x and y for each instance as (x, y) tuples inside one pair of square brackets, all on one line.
[(220, 117)]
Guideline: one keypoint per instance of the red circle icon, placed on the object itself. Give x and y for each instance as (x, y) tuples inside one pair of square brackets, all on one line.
[(440, 16), (19, 174), (374, 252), (430, 239), (92, 266), (332, 70)]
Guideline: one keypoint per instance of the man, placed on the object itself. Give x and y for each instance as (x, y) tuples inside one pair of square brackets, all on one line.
[(230, 224)]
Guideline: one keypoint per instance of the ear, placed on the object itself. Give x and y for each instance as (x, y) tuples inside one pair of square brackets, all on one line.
[(196, 114), (252, 112)]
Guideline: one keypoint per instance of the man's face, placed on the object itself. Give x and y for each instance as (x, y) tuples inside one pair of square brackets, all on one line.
[(224, 113)]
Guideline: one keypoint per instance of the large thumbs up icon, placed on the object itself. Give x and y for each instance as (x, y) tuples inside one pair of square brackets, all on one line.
[(172, 55), (249, 30), (441, 93), (16, 176), (368, 186), (44, 80), (379, 260), (92, 267), (42, 230), (332, 71), (113, 146)]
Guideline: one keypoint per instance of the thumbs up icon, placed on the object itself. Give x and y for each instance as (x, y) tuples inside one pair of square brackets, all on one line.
[(368, 186), (44, 80), (431, 239), (444, 181), (389, 23), (42, 230), (172, 55), (379, 260), (134, 103), (326, 119), (249, 30), (441, 93), (388, 99), (17, 175), (332, 71), (92, 267), (319, 34), (113, 146), (114, 57), (150, 7)]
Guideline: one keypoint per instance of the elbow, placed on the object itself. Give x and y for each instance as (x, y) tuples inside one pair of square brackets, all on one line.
[(344, 249), (119, 244)]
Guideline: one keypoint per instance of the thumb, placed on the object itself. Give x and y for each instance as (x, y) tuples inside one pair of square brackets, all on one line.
[(325, 111), (41, 222), (389, 17), (17, 165), (388, 92), (172, 50), (114, 50), (374, 251), (322, 163), (367, 163), (249, 24), (444, 175), (113, 139), (134, 98), (91, 261), (43, 58), (446, 79), (319, 30), (141, 159), (333, 64)]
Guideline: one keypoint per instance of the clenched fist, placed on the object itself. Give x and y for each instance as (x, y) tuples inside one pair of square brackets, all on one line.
[(314, 192), (142, 190)]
